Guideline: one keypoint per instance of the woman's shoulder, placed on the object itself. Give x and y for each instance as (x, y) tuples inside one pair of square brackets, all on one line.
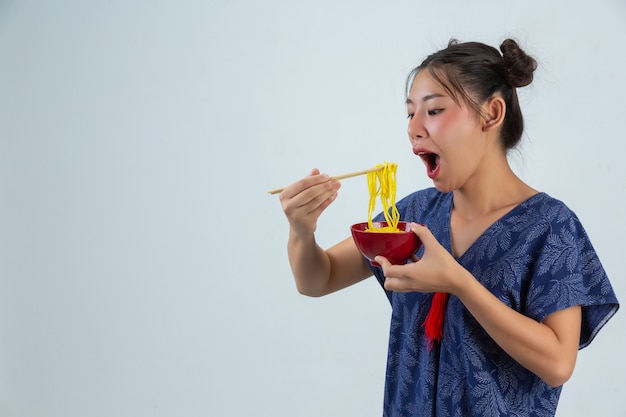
[(543, 218), (543, 205)]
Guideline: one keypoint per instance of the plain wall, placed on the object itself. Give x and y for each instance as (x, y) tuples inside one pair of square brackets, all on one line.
[(143, 269)]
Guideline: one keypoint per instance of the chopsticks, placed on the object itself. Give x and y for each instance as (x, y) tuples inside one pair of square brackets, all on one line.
[(339, 177)]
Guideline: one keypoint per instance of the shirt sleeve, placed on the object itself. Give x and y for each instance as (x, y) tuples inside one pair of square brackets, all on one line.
[(568, 272)]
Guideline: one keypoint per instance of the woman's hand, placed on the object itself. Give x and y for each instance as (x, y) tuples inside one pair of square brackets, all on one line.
[(436, 271), (304, 201)]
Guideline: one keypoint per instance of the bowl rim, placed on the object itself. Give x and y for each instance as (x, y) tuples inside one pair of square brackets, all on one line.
[(358, 227)]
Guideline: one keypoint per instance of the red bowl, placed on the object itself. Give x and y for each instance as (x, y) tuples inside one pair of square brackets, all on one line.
[(397, 247)]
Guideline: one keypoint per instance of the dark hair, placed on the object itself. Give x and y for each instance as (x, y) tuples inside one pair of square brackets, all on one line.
[(473, 72)]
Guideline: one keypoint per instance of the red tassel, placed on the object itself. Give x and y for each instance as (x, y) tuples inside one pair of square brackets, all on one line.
[(434, 320)]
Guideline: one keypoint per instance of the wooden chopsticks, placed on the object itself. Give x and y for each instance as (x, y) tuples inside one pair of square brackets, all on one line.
[(339, 177)]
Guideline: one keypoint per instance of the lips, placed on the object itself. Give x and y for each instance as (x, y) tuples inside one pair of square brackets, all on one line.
[(431, 160)]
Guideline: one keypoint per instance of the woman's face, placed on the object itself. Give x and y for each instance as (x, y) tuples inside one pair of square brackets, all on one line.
[(448, 137)]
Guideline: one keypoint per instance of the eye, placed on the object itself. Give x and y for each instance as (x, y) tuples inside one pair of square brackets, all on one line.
[(434, 112), (410, 116)]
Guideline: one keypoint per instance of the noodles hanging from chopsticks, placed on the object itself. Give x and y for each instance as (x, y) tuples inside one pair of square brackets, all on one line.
[(383, 183)]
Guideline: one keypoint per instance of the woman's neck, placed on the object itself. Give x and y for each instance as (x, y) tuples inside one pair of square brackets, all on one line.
[(493, 189)]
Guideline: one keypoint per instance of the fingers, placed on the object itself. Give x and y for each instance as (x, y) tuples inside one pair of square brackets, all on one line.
[(396, 284), (389, 269), (317, 196), (394, 281), (383, 262), (304, 200), (423, 233), (310, 188), (432, 272)]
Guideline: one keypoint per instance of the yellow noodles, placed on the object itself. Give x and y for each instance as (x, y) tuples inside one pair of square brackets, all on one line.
[(383, 183)]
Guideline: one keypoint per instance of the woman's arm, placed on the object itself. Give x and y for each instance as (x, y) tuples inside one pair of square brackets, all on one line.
[(317, 271), (548, 349)]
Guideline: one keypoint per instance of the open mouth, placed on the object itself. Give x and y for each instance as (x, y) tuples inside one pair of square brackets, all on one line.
[(431, 160)]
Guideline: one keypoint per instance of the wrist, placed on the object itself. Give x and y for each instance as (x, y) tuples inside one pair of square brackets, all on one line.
[(463, 283)]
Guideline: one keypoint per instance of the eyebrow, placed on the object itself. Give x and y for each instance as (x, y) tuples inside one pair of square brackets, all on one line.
[(426, 98)]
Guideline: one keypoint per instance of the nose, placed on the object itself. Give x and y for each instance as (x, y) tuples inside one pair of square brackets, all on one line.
[(416, 129)]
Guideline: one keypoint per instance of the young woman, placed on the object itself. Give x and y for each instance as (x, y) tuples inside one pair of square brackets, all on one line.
[(510, 269)]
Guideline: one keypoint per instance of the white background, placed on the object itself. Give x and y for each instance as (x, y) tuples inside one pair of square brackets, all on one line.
[(143, 269)]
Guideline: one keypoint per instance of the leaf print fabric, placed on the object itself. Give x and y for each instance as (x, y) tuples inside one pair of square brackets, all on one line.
[(537, 259)]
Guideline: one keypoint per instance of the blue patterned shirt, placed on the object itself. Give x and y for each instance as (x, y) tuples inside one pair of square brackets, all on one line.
[(537, 259)]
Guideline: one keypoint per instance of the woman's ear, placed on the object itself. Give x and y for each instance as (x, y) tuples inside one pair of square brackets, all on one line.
[(494, 111)]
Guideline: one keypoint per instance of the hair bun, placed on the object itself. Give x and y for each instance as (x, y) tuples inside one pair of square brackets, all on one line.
[(517, 65)]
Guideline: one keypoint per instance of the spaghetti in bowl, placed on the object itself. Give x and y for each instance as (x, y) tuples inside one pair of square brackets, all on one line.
[(397, 246)]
